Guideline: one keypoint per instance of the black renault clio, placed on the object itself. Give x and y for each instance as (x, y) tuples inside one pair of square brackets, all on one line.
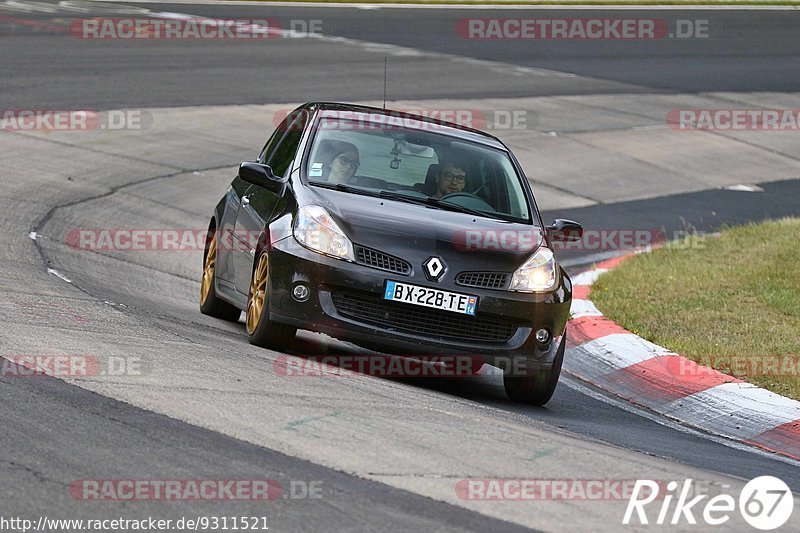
[(398, 233)]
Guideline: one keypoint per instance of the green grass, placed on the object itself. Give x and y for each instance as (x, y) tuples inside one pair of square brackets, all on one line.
[(736, 295)]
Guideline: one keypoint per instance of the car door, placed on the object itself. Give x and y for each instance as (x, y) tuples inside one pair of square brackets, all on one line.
[(225, 240), (258, 204), (228, 243)]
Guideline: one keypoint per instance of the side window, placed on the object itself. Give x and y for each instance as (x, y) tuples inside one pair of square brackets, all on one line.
[(282, 156), (272, 143)]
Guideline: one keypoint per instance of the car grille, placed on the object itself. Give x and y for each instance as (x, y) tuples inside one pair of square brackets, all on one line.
[(422, 320), (376, 259), (486, 280)]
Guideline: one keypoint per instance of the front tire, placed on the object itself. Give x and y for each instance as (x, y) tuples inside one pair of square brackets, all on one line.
[(262, 331), (210, 304), (538, 387)]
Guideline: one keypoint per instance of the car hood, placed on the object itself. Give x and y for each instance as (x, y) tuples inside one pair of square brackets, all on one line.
[(416, 232)]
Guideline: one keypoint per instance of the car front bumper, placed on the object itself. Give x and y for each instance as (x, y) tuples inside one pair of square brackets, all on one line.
[(334, 281)]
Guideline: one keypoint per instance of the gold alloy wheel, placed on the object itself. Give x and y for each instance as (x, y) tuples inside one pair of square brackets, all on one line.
[(208, 270), (258, 293)]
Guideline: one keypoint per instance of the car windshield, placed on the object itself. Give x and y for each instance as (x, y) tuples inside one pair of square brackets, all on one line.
[(416, 165)]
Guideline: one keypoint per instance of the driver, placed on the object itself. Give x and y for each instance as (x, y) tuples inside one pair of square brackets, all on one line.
[(452, 178), (340, 161)]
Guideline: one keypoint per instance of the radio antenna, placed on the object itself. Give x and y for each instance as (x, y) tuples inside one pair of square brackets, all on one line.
[(385, 64)]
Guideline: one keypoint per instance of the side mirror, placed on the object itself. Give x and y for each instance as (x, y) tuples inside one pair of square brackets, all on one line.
[(565, 230), (261, 175)]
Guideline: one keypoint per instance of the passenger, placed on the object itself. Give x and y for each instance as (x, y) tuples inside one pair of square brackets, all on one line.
[(452, 178)]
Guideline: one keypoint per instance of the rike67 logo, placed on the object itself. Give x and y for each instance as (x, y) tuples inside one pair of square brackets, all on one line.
[(765, 503)]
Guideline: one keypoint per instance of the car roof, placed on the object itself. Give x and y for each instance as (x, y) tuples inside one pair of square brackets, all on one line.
[(444, 127)]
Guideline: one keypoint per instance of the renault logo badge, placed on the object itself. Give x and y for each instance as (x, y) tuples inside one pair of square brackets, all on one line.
[(434, 268)]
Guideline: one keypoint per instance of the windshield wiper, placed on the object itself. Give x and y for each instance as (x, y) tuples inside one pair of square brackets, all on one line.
[(434, 202), (345, 188)]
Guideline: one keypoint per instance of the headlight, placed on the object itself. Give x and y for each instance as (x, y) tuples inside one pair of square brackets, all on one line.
[(316, 230), (537, 274)]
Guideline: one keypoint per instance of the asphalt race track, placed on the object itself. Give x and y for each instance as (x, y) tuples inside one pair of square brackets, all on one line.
[(746, 51), (200, 402)]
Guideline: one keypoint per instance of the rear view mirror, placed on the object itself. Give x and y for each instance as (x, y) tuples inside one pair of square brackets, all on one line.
[(565, 230)]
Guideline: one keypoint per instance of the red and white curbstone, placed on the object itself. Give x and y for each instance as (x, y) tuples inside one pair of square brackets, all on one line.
[(615, 360)]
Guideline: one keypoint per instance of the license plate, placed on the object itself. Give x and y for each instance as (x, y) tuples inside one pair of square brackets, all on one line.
[(425, 296)]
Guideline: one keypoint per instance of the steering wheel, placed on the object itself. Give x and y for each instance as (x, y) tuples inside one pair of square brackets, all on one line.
[(467, 199)]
